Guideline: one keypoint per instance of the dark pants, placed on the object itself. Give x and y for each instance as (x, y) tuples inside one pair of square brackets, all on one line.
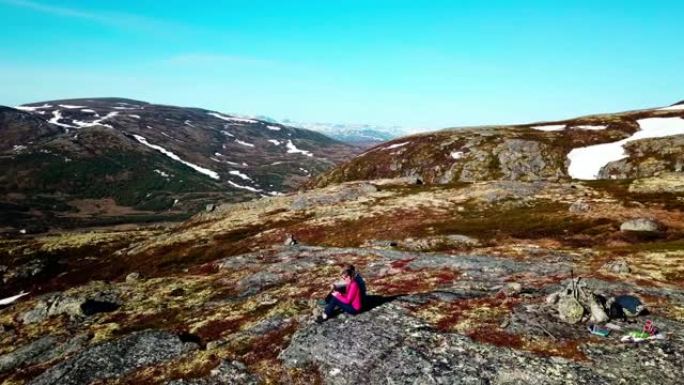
[(335, 303)]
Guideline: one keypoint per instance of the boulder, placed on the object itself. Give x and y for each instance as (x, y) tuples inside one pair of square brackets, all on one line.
[(75, 305), (115, 358), (570, 309), (641, 225)]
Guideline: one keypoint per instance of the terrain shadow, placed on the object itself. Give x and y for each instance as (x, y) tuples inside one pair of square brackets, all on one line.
[(373, 301)]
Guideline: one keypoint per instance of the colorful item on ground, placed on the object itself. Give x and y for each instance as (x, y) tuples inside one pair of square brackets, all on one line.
[(650, 328), (599, 330), (638, 336)]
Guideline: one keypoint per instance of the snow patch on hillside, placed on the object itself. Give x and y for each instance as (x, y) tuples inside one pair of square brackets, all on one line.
[(55, 119), (396, 145), (162, 173), (240, 175), (275, 142), (274, 128), (238, 141), (32, 108), (676, 107), (292, 149), (231, 118), (549, 127), (597, 127), (97, 122), (70, 106), (586, 162), (205, 171), (252, 189)]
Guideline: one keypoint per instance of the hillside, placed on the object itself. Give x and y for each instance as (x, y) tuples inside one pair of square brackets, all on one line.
[(518, 274), (102, 161), (588, 147), (462, 278)]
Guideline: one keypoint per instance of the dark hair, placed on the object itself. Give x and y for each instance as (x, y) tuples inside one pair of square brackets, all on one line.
[(349, 272)]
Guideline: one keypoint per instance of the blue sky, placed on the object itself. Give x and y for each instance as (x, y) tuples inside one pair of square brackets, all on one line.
[(417, 64)]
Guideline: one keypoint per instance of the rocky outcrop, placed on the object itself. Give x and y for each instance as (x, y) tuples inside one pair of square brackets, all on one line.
[(77, 305), (647, 157), (334, 195), (529, 160), (43, 349), (115, 358), (390, 346)]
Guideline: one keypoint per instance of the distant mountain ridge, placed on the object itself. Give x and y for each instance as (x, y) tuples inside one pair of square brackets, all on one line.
[(148, 157), (366, 135)]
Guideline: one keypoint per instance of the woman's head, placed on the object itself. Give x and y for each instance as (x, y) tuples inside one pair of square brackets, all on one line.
[(348, 274)]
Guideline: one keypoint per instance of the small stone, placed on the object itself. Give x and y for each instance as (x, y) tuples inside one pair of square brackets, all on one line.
[(290, 240), (619, 266), (579, 206), (512, 288), (209, 207), (132, 277)]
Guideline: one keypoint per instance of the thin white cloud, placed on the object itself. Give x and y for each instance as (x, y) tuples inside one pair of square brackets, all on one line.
[(193, 59), (115, 19)]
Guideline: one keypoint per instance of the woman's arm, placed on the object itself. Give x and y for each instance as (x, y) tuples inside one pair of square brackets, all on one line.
[(350, 294)]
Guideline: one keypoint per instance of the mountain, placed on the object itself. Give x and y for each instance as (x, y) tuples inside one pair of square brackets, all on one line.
[(495, 272), (102, 159), (607, 146), (363, 135)]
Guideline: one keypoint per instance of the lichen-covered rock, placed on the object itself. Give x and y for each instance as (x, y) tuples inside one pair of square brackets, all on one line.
[(115, 358), (227, 373), (669, 182), (529, 160), (570, 309), (43, 349)]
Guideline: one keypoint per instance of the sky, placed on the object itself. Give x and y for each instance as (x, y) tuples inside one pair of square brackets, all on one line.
[(415, 64)]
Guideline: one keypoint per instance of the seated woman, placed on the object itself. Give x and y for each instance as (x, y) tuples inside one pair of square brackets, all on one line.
[(349, 302)]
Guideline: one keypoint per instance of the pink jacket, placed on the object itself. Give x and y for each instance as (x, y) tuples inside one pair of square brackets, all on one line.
[(352, 295)]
